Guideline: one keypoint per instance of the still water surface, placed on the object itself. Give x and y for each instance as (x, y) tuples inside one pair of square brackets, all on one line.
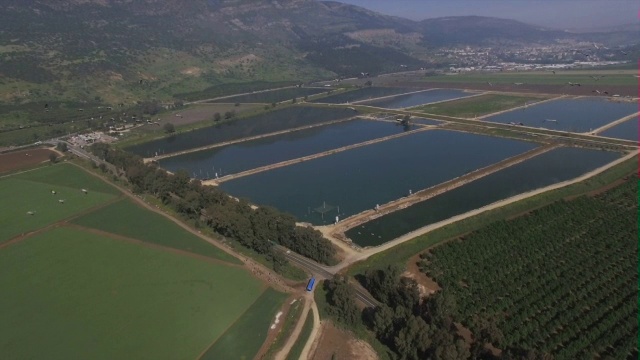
[(543, 170), (627, 130), (270, 150), (420, 98), (358, 179), (575, 115), (273, 121)]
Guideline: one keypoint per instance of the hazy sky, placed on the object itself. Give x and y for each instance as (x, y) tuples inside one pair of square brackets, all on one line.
[(553, 13)]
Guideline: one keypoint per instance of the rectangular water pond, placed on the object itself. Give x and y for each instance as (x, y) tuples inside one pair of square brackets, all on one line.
[(363, 94), (419, 98), (574, 115), (270, 96), (352, 181), (269, 122), (255, 153), (627, 130), (549, 168)]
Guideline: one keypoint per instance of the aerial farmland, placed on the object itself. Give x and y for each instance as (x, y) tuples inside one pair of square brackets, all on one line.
[(156, 237), (100, 268)]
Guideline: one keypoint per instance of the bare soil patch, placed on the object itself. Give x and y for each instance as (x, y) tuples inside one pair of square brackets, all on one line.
[(23, 159), (339, 344), (426, 285), (464, 333)]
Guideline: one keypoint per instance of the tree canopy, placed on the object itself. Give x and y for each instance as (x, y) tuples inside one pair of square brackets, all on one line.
[(258, 229)]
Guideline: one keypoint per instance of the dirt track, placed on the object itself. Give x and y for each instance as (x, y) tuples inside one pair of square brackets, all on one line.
[(313, 337), (284, 352)]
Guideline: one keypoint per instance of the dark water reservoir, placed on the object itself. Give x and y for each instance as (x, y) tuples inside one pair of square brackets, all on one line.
[(552, 167), (255, 153), (419, 98), (273, 121), (627, 130), (575, 115), (358, 179)]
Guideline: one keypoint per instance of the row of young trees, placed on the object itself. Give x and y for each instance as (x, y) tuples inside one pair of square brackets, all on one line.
[(562, 279), (258, 229)]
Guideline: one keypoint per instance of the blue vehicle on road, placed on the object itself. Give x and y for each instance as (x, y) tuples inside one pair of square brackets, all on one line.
[(311, 283)]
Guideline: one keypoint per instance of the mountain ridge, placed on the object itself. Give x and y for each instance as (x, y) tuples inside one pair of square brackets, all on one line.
[(139, 49)]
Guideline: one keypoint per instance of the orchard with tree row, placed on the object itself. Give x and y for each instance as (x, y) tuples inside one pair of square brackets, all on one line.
[(562, 279)]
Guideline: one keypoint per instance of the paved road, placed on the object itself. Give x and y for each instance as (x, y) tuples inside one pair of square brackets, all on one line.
[(322, 272)]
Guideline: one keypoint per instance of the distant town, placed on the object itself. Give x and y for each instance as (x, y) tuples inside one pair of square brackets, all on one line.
[(568, 55)]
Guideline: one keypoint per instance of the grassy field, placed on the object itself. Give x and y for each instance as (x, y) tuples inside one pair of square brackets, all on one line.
[(477, 105), (127, 219), (244, 339), (68, 175), (73, 295), (31, 192), (296, 350), (611, 77), (401, 253)]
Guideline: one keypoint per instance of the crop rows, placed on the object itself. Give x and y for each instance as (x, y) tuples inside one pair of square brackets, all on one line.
[(561, 279)]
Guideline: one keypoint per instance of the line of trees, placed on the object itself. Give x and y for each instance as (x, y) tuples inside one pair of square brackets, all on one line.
[(258, 229), (341, 301), (412, 328)]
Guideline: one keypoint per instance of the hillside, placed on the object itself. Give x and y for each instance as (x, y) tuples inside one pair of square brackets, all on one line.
[(484, 30), (113, 51)]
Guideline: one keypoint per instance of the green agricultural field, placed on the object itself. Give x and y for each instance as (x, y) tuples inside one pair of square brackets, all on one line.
[(68, 175), (611, 77), (244, 339), (477, 105), (78, 295), (32, 192), (127, 219)]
